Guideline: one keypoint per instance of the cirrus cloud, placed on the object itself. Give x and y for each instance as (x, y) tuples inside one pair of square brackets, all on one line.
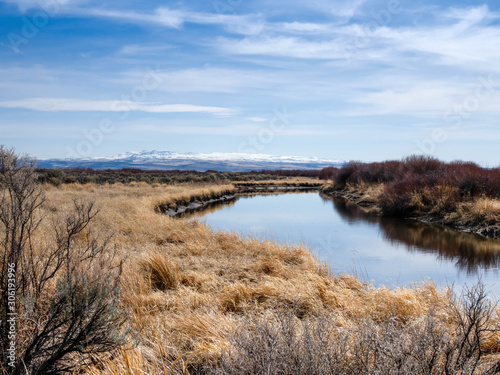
[(78, 105)]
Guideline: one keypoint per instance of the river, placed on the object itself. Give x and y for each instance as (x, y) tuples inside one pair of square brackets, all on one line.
[(379, 250)]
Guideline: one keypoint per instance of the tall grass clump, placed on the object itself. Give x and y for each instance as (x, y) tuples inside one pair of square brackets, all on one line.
[(161, 272)]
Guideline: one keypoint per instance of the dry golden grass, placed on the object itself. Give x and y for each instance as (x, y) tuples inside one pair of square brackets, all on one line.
[(485, 207), (481, 215), (365, 191), (187, 288), (161, 272), (372, 192)]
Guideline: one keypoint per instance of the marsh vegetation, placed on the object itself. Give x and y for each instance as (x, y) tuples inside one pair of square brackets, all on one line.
[(459, 194), (139, 292)]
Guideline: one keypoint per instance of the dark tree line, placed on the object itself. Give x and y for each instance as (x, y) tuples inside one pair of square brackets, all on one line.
[(127, 175)]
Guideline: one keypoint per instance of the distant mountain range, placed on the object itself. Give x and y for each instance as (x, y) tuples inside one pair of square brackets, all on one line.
[(169, 160)]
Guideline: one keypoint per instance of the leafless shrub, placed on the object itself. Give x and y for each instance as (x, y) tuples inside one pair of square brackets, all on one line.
[(20, 200), (65, 290), (462, 343)]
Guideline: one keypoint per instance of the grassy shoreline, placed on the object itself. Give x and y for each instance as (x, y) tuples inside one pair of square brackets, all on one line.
[(198, 300), (480, 216), (461, 196), (195, 200), (288, 182)]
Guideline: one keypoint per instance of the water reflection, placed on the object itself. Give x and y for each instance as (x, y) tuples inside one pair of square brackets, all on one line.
[(470, 252), (209, 208), (216, 206), (349, 239)]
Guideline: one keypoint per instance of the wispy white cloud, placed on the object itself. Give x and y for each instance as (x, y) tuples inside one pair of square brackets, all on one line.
[(76, 105), (176, 18), (346, 10), (284, 46), (304, 28), (468, 16), (162, 16), (467, 39), (143, 49), (240, 24), (413, 96), (422, 99), (336, 11), (209, 79)]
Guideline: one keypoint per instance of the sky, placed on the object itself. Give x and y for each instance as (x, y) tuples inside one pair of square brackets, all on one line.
[(353, 80)]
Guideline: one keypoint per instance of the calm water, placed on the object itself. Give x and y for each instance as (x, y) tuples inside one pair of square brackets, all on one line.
[(386, 251)]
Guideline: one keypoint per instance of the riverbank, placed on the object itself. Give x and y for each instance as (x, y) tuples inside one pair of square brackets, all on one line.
[(480, 215), (194, 200), (205, 301), (201, 198), (289, 184)]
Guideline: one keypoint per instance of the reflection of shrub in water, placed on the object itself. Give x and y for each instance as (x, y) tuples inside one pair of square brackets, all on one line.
[(209, 208), (216, 206), (470, 251), (351, 212)]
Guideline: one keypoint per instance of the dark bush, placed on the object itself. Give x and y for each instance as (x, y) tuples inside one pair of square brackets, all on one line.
[(328, 173), (396, 199), (347, 174), (421, 165), (422, 183)]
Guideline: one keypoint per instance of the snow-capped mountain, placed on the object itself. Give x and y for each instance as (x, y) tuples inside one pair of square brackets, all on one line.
[(169, 160)]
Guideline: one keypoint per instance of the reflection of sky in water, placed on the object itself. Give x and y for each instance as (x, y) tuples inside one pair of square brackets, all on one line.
[(391, 252)]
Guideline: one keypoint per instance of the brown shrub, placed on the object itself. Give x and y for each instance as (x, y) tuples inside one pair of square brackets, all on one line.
[(420, 184)]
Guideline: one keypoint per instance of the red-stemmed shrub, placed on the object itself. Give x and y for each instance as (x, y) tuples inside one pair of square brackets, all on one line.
[(328, 173), (422, 183)]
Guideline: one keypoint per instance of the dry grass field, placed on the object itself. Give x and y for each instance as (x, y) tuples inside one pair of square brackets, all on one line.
[(199, 301)]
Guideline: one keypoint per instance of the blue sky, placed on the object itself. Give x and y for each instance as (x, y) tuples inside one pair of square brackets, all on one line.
[(363, 80)]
